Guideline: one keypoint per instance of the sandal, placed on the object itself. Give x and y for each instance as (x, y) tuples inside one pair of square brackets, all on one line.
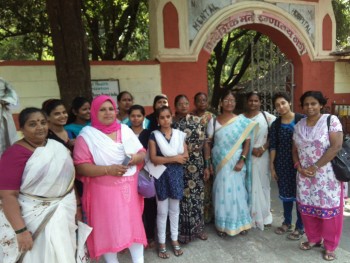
[(221, 234), (202, 235), (244, 232), (296, 235), (151, 243), (267, 226), (162, 252), (283, 229), (329, 255), (177, 249), (307, 245)]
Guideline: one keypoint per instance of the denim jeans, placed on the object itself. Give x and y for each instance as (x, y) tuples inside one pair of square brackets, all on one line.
[(288, 208)]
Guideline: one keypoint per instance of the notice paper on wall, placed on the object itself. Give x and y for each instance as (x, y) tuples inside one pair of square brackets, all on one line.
[(108, 87)]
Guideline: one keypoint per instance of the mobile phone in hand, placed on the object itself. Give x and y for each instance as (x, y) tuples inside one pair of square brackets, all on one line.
[(126, 160)]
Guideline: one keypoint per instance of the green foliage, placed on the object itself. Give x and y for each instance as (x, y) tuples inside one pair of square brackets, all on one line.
[(342, 16), (24, 30), (116, 29)]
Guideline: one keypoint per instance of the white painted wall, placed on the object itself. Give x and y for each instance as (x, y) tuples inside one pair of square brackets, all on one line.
[(37, 83), (342, 77)]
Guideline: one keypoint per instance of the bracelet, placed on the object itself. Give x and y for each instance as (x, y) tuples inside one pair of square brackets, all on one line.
[(106, 171), (79, 205), (243, 157), (207, 163), (262, 147), (296, 165), (19, 231), (316, 166)]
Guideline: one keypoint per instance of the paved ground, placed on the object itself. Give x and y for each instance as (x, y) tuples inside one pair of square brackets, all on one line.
[(257, 246)]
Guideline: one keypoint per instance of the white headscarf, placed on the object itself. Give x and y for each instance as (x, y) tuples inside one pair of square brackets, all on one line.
[(8, 132)]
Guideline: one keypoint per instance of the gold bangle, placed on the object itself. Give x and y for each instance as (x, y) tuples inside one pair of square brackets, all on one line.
[(263, 148), (106, 171)]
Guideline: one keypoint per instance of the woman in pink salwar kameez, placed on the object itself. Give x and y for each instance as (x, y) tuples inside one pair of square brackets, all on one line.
[(319, 193), (110, 199)]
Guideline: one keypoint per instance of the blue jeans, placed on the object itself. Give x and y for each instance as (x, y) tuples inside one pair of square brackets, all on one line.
[(287, 213)]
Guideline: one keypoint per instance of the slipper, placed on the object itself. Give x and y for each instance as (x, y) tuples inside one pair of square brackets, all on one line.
[(267, 226), (151, 243), (177, 249), (296, 235), (202, 235), (221, 234), (244, 232), (284, 228), (307, 246), (162, 252), (329, 255)]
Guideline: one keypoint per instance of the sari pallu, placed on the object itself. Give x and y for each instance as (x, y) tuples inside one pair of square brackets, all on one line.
[(45, 189), (232, 189)]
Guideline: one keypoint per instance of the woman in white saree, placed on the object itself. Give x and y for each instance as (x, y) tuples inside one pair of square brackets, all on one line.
[(37, 216), (261, 175)]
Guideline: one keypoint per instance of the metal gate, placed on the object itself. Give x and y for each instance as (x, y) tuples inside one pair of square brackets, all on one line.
[(270, 72)]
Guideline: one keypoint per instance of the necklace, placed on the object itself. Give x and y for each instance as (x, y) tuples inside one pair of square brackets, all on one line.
[(34, 146)]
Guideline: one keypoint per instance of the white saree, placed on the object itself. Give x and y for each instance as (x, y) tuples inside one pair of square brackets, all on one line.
[(261, 200), (47, 179)]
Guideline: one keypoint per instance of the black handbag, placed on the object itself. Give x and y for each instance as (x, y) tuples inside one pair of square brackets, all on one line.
[(341, 162)]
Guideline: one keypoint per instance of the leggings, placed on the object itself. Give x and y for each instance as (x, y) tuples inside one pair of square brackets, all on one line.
[(136, 251), (165, 207)]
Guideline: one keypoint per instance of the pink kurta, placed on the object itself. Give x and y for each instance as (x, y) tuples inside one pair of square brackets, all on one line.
[(112, 207)]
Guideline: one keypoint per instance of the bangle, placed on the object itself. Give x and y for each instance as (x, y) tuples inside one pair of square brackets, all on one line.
[(79, 205), (262, 147), (296, 165), (316, 166), (19, 231), (106, 171), (243, 157), (207, 163)]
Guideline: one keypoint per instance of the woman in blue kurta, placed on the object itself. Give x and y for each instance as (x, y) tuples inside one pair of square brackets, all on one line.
[(281, 162), (167, 147)]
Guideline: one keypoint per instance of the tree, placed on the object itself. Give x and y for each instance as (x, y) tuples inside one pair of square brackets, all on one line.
[(69, 48), (230, 60), (24, 29), (117, 29), (342, 15)]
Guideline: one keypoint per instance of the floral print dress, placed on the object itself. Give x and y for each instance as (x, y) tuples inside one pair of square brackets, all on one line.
[(208, 185), (191, 221), (318, 196)]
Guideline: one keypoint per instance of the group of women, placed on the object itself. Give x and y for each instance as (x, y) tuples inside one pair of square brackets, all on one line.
[(215, 168)]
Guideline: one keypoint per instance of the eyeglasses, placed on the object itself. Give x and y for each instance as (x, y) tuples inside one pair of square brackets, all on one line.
[(182, 104), (229, 101)]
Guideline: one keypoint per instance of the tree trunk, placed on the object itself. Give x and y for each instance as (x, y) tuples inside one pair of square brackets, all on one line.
[(70, 49)]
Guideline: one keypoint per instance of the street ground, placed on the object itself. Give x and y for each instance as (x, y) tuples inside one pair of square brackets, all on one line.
[(256, 247)]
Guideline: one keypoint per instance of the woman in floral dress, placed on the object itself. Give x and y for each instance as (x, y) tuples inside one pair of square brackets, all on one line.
[(319, 193), (191, 223), (204, 117)]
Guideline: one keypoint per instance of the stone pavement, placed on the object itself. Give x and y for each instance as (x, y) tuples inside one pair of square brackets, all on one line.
[(256, 247)]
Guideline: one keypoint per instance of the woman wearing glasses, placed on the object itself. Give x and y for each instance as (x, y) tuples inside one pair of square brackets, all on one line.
[(231, 136)]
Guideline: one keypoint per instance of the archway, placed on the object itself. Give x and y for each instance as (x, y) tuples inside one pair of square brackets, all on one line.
[(183, 69)]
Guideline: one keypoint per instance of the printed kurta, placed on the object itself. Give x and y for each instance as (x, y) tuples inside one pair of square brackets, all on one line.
[(191, 221)]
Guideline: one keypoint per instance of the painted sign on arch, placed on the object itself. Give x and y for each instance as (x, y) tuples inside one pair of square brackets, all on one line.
[(257, 17)]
